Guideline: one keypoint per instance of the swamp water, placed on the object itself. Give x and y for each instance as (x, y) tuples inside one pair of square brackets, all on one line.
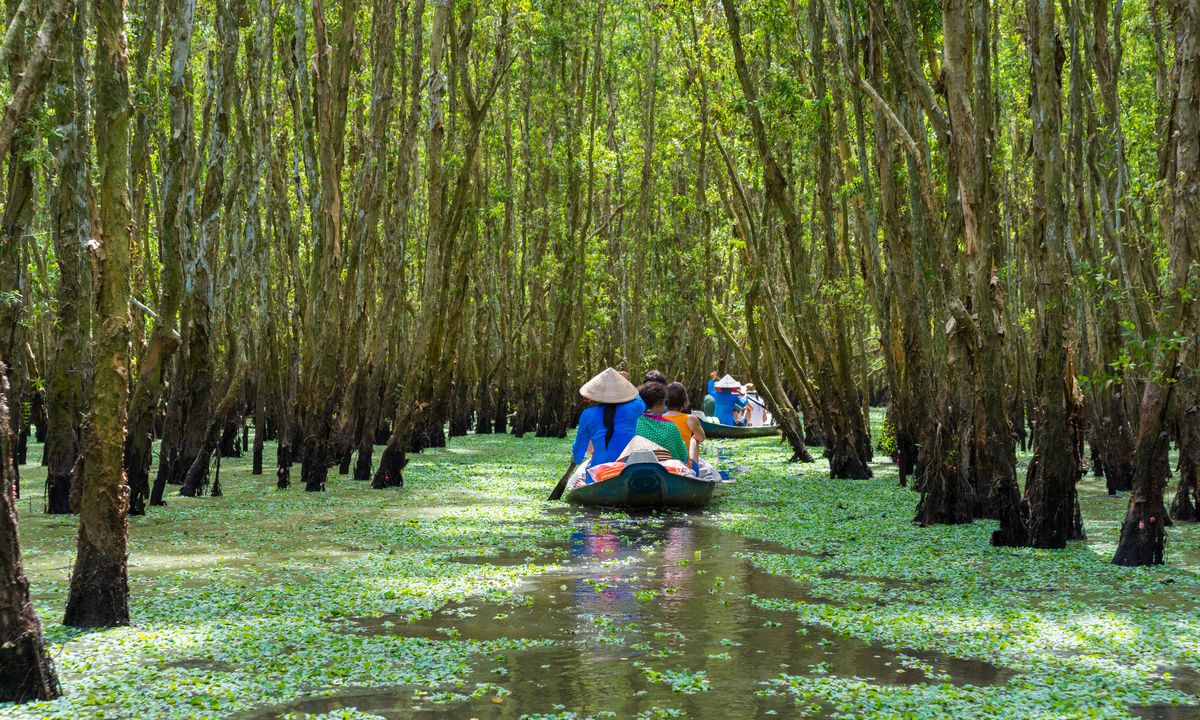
[(640, 616)]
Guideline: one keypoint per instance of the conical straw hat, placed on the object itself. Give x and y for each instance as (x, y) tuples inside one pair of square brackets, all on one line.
[(640, 443), (609, 387), (728, 383)]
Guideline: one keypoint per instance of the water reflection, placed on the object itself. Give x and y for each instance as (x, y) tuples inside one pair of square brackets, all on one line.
[(645, 613)]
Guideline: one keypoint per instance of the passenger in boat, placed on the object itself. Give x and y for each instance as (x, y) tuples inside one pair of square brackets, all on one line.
[(689, 425), (656, 428), (741, 416), (611, 422), (757, 409), (727, 400)]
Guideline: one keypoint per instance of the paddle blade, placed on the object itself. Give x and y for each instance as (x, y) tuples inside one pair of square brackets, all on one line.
[(562, 483)]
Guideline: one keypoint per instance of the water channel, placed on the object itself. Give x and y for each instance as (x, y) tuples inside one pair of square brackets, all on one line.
[(643, 616)]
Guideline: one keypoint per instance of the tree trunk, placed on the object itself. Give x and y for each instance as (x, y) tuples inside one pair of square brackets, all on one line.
[(320, 392), (990, 453), (197, 473), (261, 423), (1059, 407), (1115, 438), (1186, 505), (449, 250), (26, 672), (175, 234), (34, 63), (99, 593), (143, 408), (846, 445), (68, 372), (16, 225), (194, 375)]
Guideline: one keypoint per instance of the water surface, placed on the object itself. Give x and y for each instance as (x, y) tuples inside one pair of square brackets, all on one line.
[(645, 615)]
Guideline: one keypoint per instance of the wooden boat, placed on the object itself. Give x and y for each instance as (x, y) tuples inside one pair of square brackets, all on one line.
[(645, 485), (737, 432)]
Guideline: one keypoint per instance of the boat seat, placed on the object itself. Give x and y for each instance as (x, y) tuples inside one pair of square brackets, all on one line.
[(638, 457)]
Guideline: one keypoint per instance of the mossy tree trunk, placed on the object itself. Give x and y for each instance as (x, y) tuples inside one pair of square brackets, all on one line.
[(99, 592), (69, 366), (1186, 504), (967, 72), (1058, 410)]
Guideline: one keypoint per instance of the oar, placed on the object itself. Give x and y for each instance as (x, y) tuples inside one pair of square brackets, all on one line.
[(562, 483)]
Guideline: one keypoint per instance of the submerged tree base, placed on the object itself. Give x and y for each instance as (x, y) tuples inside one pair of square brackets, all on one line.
[(25, 670), (101, 601), (1142, 537)]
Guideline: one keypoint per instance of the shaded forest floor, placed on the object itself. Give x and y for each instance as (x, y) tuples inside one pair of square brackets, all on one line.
[(465, 594)]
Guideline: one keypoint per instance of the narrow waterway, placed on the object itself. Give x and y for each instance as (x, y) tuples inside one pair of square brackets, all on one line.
[(643, 616)]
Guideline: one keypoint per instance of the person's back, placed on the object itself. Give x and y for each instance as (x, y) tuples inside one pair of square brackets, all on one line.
[(724, 403), (626, 426), (656, 428), (610, 425), (689, 427), (592, 429), (758, 410), (663, 432), (681, 421)]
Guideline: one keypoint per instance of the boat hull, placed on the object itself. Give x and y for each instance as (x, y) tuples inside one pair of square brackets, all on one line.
[(645, 485), (736, 432)]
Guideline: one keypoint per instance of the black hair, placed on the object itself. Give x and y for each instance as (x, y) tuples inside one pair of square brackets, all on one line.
[(652, 393), (677, 397), (610, 422), (655, 376)]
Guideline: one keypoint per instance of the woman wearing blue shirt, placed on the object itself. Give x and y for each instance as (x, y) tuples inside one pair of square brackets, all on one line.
[(608, 425), (726, 400)]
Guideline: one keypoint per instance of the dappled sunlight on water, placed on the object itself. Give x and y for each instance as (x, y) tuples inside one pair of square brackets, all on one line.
[(643, 613)]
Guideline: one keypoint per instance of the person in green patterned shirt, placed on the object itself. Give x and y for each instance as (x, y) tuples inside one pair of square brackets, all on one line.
[(656, 428)]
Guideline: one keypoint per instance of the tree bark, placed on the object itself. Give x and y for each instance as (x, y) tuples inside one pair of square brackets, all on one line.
[(320, 391), (194, 377), (1058, 412), (1186, 504), (33, 72), (26, 672), (842, 426), (99, 593), (426, 379), (68, 372), (966, 72), (197, 474)]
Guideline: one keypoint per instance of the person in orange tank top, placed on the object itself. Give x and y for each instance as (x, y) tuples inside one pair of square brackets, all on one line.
[(689, 425)]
